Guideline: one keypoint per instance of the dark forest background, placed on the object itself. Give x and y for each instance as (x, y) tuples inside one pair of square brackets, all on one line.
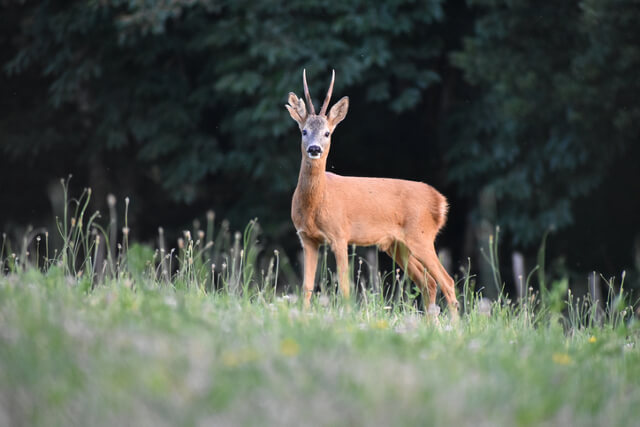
[(525, 114)]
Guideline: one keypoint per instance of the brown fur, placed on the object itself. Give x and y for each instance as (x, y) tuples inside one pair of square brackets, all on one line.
[(401, 217)]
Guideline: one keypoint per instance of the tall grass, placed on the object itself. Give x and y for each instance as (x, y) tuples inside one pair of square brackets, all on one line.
[(235, 264)]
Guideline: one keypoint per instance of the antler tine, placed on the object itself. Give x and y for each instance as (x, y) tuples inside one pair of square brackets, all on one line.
[(329, 92), (306, 92)]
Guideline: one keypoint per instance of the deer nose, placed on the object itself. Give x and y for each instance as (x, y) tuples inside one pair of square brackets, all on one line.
[(314, 151)]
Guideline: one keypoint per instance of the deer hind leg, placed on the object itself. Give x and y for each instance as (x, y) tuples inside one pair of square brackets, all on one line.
[(426, 255), (340, 251), (428, 283), (416, 271)]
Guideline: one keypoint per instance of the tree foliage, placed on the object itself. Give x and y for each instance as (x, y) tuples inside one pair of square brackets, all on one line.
[(180, 102), (555, 110), (189, 92)]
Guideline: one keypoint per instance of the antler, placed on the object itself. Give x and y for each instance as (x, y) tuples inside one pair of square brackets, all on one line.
[(328, 98), (306, 92)]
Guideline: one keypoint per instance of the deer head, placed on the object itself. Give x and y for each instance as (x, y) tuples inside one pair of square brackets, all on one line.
[(316, 129)]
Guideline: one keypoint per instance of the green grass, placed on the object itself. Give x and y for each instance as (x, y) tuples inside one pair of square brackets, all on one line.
[(133, 341), (151, 354)]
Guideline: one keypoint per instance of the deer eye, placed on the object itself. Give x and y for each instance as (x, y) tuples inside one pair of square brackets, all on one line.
[(304, 132), (326, 134)]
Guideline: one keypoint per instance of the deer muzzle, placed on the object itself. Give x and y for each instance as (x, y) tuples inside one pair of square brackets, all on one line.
[(314, 151)]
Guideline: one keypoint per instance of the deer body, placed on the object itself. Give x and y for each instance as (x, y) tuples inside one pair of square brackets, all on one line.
[(373, 222), (401, 217)]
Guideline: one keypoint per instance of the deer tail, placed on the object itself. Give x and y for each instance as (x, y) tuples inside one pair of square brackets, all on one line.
[(440, 209)]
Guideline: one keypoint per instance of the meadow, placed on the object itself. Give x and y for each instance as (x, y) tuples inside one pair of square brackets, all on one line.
[(163, 337)]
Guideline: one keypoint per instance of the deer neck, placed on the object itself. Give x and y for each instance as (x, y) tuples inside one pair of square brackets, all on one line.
[(311, 181)]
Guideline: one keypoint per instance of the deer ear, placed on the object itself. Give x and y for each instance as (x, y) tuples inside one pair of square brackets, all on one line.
[(296, 108), (338, 112)]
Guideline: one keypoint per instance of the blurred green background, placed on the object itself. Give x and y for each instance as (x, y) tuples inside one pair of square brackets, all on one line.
[(525, 114)]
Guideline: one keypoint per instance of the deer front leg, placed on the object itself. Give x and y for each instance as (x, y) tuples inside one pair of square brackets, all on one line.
[(310, 249), (342, 263)]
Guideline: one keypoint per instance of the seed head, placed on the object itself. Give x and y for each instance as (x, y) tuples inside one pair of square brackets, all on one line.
[(484, 307)]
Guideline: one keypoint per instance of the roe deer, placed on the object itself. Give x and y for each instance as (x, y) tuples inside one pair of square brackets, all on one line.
[(401, 217)]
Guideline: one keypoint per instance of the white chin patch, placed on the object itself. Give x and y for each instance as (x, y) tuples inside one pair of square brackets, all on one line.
[(314, 156)]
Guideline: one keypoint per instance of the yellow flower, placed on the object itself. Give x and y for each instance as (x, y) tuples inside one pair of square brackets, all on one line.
[(289, 347), (381, 324), (592, 339), (232, 359), (561, 358)]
